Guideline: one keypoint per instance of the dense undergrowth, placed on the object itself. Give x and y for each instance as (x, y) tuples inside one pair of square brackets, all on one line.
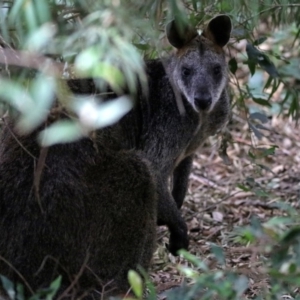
[(101, 39)]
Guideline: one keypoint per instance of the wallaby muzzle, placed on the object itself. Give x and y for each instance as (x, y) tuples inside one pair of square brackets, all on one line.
[(202, 100)]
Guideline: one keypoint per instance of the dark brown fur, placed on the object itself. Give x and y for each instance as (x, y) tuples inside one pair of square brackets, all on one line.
[(95, 214), (93, 210)]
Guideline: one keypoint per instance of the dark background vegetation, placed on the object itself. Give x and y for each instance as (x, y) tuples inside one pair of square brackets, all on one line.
[(251, 214)]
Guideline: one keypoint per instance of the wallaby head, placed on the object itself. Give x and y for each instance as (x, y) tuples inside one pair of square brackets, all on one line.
[(198, 69)]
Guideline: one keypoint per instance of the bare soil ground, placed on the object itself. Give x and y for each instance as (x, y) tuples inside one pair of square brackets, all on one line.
[(215, 205)]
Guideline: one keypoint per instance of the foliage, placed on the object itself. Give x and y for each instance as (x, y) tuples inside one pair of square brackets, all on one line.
[(44, 42), (278, 239), (277, 242), (101, 39), (18, 291)]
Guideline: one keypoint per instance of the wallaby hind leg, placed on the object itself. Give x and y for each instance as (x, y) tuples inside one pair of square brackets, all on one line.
[(128, 236), (168, 214), (181, 180)]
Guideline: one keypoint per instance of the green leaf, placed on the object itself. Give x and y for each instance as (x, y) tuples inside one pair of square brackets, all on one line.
[(42, 92), (251, 181), (218, 253), (265, 168), (193, 259), (8, 287), (256, 225), (240, 285), (252, 155), (20, 292), (256, 132), (259, 116), (188, 272), (136, 283), (48, 293), (260, 126), (15, 10), (257, 57), (54, 287), (243, 188), (294, 106), (34, 104), (291, 235), (64, 131), (15, 95), (252, 52), (151, 292), (269, 151), (44, 11), (194, 3), (261, 101), (95, 115), (268, 66), (247, 235), (261, 193), (142, 47), (284, 206), (269, 82), (41, 37), (252, 67), (88, 64), (278, 220), (260, 40), (233, 65), (30, 15), (292, 69)]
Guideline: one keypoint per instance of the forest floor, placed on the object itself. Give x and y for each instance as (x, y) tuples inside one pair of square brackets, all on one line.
[(215, 205)]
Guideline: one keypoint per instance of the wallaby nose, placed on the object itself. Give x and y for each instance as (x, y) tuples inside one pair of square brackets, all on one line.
[(203, 101)]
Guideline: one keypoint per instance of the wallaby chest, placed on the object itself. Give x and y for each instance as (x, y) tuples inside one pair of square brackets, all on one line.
[(167, 131)]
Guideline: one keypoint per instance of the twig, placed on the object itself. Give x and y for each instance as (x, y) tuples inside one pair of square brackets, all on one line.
[(18, 273), (207, 182), (17, 140), (10, 57), (38, 174), (103, 292), (70, 287), (218, 202)]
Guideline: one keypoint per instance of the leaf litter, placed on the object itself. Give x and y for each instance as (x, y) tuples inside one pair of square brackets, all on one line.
[(215, 204)]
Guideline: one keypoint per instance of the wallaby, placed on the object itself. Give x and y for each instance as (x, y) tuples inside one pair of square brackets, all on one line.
[(95, 207), (91, 217), (196, 77)]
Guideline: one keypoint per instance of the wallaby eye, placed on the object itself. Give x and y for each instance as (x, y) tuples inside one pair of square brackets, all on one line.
[(185, 71), (217, 70)]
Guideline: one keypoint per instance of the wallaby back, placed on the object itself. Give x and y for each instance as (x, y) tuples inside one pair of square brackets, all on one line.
[(94, 217)]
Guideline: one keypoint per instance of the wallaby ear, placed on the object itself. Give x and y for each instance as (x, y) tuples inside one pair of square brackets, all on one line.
[(218, 30), (180, 36)]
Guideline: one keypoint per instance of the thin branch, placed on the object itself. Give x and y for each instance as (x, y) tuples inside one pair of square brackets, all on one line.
[(38, 174), (76, 279), (11, 57), (218, 202), (18, 273), (17, 140)]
